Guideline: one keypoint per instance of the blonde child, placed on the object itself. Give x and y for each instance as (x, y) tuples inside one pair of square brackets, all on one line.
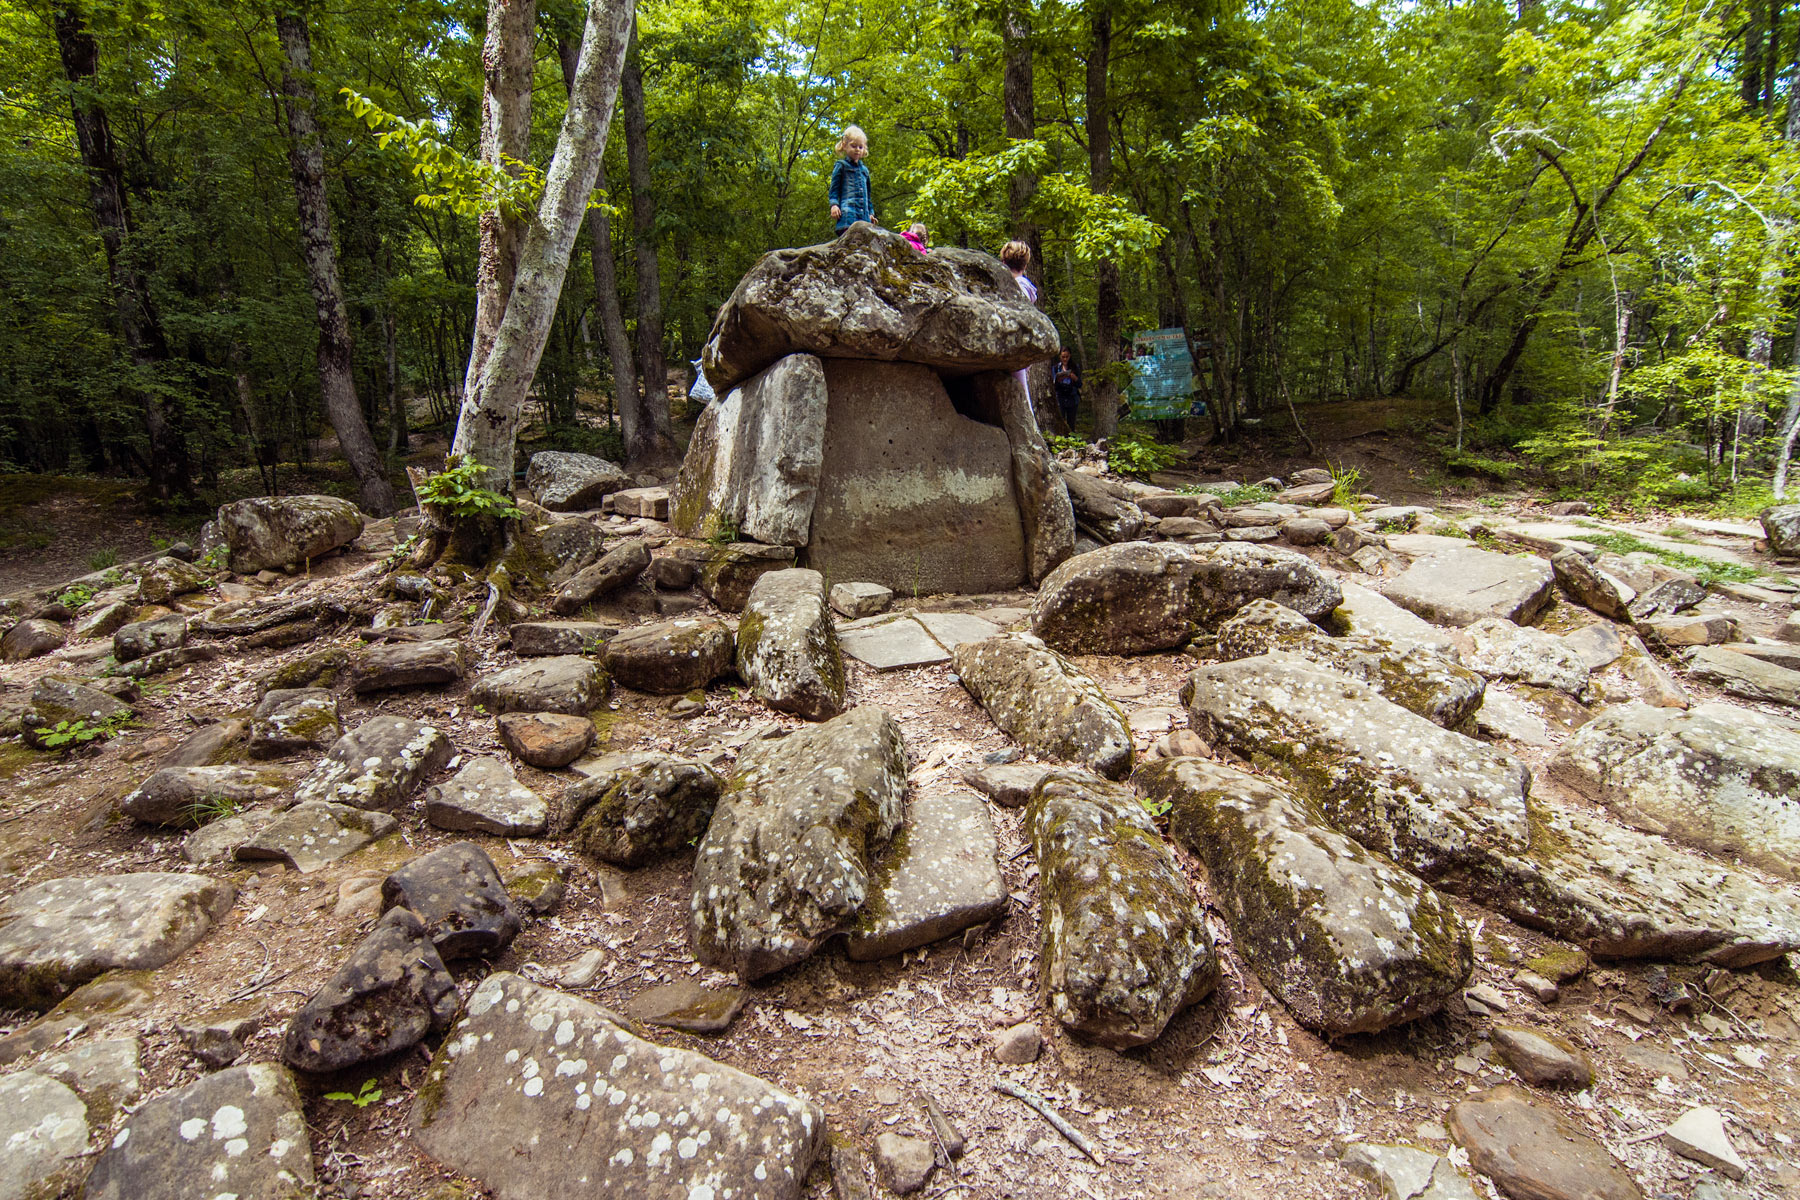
[(916, 235), (852, 199)]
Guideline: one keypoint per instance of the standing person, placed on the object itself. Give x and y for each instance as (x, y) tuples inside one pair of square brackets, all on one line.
[(1017, 256), (916, 235), (1068, 388), (852, 200)]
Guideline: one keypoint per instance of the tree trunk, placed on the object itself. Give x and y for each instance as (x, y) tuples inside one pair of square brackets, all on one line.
[(506, 67), (606, 276), (306, 158), (1021, 114), (145, 342), (488, 426), (650, 440), (1103, 384)]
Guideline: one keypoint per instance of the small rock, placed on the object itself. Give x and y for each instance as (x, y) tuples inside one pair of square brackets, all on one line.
[(618, 567), (1668, 598), (1051, 706), (1696, 630), (1007, 784), (1305, 531), (486, 797), (285, 531), (217, 1039), (1700, 1135), (672, 574), (854, 600), (359, 896), (646, 810), (948, 1135), (55, 700), (849, 1171), (106, 620), (390, 993), (1484, 999), (567, 482), (650, 502), (1019, 1044), (1533, 1150), (687, 1006), (580, 971), (393, 665), (459, 896), (1545, 991), (787, 647), (537, 886), (315, 834), (1543, 1059), (539, 639), (670, 658), (291, 720), (567, 684), (1406, 1173), (940, 879), (30, 639), (144, 638), (545, 740), (904, 1163)]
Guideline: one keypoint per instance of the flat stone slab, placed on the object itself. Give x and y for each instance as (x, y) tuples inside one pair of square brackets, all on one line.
[(104, 1072), (1530, 1149), (952, 629), (57, 935), (486, 797), (239, 1132), (44, 1127), (1424, 545), (1347, 941), (891, 645), (940, 876), (538, 639), (1051, 706), (1462, 586), (1408, 1173), (315, 834), (565, 683), (1700, 1135), (1007, 784), (528, 1067), (1504, 715), (1374, 615), (1716, 776), (394, 665), (379, 764), (1742, 675), (687, 1006)]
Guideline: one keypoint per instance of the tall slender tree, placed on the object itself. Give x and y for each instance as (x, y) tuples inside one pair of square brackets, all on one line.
[(649, 440), (1103, 384)]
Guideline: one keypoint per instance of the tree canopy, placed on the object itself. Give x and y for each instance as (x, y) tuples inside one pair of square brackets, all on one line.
[(1570, 223)]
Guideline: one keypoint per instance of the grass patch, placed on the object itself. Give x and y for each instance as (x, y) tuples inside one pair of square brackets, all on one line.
[(1704, 569), (1251, 494)]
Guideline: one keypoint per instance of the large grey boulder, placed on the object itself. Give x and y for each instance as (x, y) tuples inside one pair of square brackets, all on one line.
[(787, 647), (754, 461), (57, 701), (1425, 797), (188, 797), (166, 578), (31, 638), (1099, 512), (667, 658), (787, 858), (393, 665), (536, 639), (913, 494), (566, 482), (289, 720), (143, 638), (44, 1127), (1124, 941), (270, 533), (869, 295), (1781, 523), (566, 683), (1050, 706), (1721, 778), (1587, 585), (725, 574), (1419, 679), (527, 1068), (1142, 596), (379, 764), (1500, 649), (941, 878), (1460, 587), (1742, 675), (647, 808), (390, 993), (236, 1132), (57, 935), (1347, 941), (1370, 613), (616, 568)]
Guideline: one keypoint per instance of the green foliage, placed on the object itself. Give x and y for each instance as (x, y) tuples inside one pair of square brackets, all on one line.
[(457, 182), (75, 596), (1246, 494), (101, 559), (1464, 462), (363, 1097), (722, 531), (208, 809), (1706, 570), (457, 491), (601, 441), (1135, 452), (1156, 808), (70, 735), (1347, 486), (1059, 443)]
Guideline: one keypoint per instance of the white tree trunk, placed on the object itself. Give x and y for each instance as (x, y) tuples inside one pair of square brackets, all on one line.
[(506, 68), (488, 427)]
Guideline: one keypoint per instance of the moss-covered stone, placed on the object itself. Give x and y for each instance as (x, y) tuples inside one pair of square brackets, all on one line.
[(646, 812), (787, 646), (1053, 708)]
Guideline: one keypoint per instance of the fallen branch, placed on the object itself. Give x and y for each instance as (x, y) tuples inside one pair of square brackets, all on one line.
[(1042, 1107)]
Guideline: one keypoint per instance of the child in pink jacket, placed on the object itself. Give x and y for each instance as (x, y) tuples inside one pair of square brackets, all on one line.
[(916, 235)]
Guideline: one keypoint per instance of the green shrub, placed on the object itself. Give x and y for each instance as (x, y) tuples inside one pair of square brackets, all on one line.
[(1133, 452), (1249, 494), (457, 491)]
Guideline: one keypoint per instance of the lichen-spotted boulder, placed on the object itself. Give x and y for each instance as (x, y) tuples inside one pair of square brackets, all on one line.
[(1781, 525), (1462, 586), (44, 1127), (270, 533), (564, 481), (526, 1068), (237, 1132), (75, 706), (667, 658), (1425, 797), (57, 935), (1125, 945), (1053, 708), (457, 893), (869, 295), (787, 647), (1500, 649), (563, 683), (648, 809), (1415, 677), (786, 861), (1347, 941), (188, 797), (1139, 597), (941, 877), (1722, 778), (379, 764)]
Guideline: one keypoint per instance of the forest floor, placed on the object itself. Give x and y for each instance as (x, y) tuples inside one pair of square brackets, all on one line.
[(1234, 1100)]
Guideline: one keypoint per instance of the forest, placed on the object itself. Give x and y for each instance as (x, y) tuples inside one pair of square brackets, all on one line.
[(229, 230)]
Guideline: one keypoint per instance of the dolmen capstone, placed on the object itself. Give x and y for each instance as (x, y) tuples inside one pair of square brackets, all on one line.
[(871, 419)]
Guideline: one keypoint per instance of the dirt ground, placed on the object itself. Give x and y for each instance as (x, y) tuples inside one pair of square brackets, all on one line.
[(1234, 1100)]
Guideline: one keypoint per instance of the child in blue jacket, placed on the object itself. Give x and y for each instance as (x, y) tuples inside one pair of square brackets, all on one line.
[(851, 198)]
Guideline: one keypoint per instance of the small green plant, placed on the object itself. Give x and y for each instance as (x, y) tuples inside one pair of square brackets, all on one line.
[(76, 596), (1060, 442), (67, 735), (99, 560), (208, 809), (367, 1095), (1156, 808), (1252, 494), (159, 544), (724, 531), (1139, 454), (1346, 486), (457, 491)]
